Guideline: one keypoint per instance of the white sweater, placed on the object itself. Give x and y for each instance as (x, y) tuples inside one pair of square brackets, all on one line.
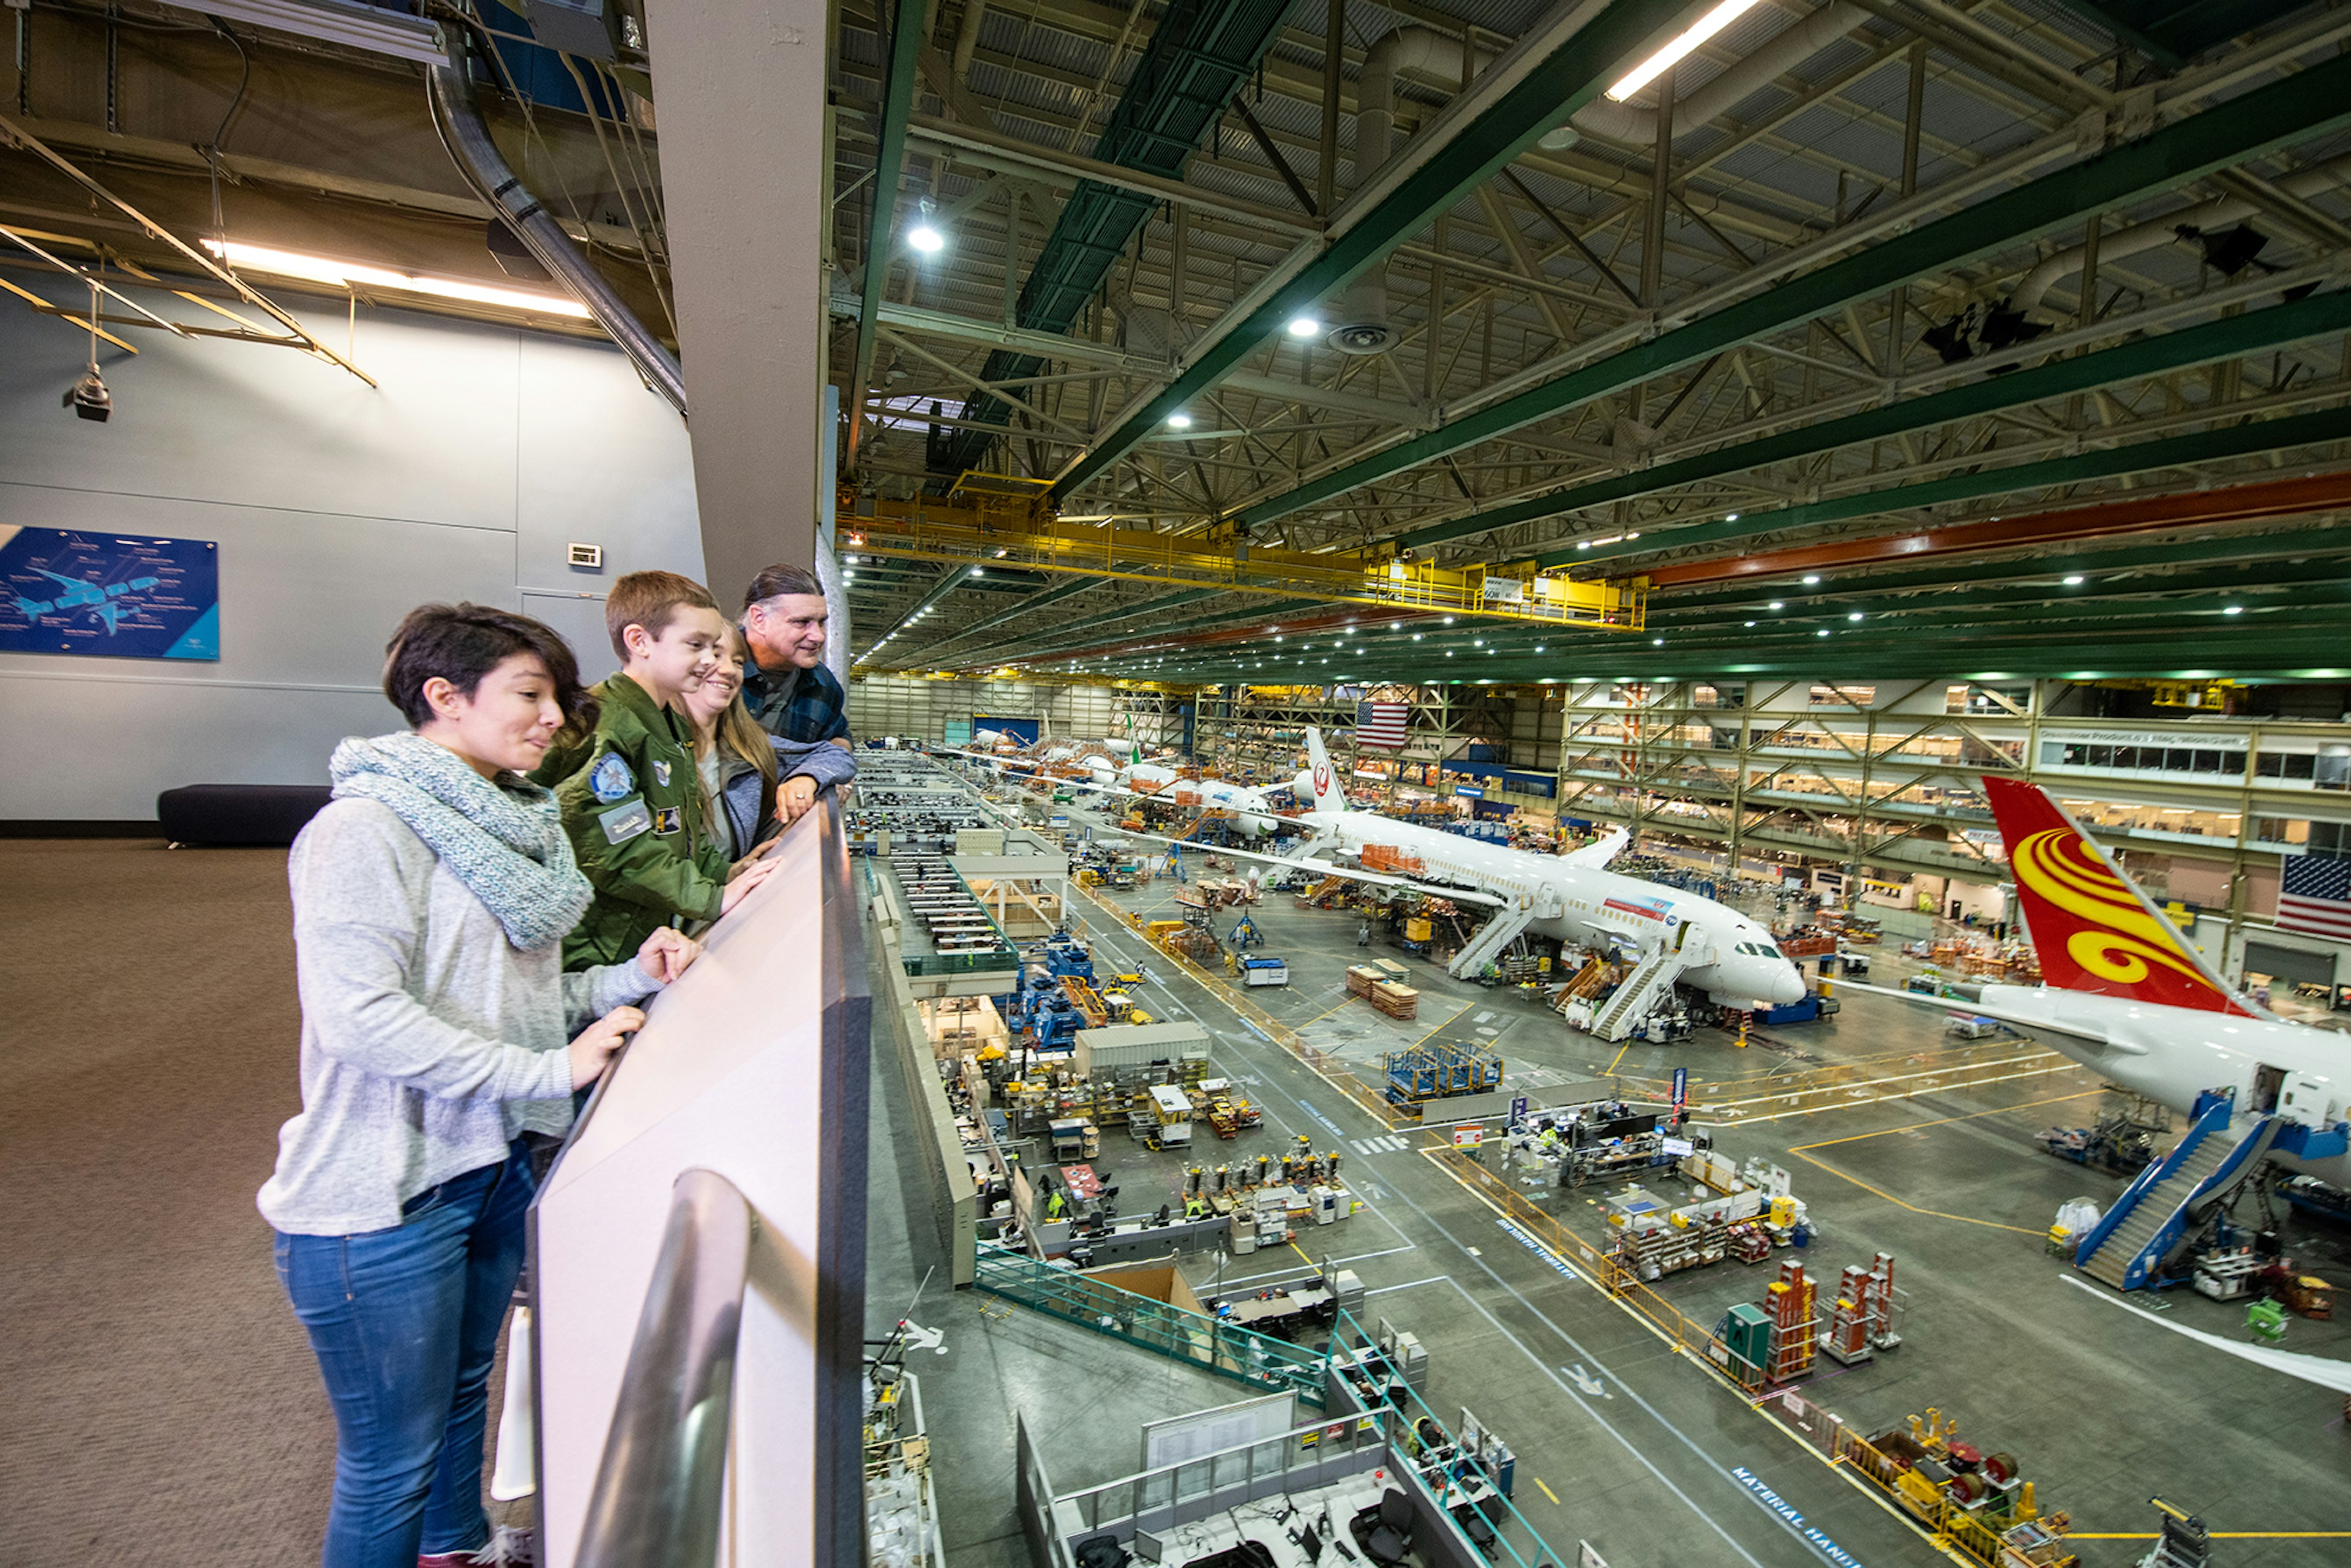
[(428, 1042)]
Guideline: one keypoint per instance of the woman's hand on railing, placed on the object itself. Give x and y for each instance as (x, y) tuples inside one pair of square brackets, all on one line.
[(667, 953), (593, 1047)]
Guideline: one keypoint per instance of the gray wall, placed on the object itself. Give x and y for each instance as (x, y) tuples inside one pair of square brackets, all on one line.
[(337, 507)]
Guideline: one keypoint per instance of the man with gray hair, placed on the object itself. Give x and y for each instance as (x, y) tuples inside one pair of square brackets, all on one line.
[(787, 689)]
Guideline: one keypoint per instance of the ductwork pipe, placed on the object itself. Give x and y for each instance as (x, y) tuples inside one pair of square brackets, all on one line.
[(836, 610), (2157, 233), (1437, 58), (457, 115)]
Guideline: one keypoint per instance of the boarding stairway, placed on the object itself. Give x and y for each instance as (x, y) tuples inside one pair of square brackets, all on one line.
[(2128, 1248), (1638, 996), (1486, 947)]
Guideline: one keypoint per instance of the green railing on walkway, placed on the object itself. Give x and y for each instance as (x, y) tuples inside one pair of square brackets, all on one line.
[(1257, 1359)]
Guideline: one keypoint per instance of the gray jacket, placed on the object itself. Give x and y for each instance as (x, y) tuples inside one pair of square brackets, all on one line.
[(739, 790), (429, 1042)]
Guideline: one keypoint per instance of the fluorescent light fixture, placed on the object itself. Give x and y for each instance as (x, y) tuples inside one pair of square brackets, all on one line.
[(1665, 59), (2234, 610), (1179, 422), (245, 257), (1304, 326)]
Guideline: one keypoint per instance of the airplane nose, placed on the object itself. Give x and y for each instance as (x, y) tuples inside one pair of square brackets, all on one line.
[(1787, 986)]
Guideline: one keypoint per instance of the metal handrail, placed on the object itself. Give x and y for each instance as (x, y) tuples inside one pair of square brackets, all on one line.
[(664, 1470)]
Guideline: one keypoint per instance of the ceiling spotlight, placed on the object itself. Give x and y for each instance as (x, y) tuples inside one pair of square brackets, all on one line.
[(2234, 610), (1776, 604), (1812, 579), (1821, 632), (1854, 616), (1949, 338), (1731, 518), (924, 236), (2004, 328), (1449, 620), (1179, 421), (1656, 642), (88, 397), (1415, 636), (1304, 326), (2075, 581), (2230, 251), (976, 572)]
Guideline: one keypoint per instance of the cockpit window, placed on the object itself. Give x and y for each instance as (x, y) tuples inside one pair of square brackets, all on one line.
[(1765, 950)]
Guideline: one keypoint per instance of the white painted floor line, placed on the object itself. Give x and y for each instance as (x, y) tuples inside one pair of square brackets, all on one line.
[(1410, 1284)]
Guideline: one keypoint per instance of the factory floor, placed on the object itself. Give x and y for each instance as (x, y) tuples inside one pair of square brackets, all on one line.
[(1621, 1441)]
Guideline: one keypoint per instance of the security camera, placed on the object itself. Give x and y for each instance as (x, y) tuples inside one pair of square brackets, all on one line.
[(88, 398)]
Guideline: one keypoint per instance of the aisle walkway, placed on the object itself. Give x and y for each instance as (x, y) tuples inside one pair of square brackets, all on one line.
[(163, 1407)]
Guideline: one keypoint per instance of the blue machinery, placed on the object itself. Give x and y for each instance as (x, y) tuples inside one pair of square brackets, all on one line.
[(1440, 1069)]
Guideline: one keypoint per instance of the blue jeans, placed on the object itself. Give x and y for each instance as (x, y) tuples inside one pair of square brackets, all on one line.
[(405, 1325)]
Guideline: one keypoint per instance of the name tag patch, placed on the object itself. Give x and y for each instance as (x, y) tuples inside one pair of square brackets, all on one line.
[(622, 824)]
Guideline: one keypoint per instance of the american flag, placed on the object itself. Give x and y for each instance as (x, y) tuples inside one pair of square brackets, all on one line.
[(1382, 724), (2315, 897)]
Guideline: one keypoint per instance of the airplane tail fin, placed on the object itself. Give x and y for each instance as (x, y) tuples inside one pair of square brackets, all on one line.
[(1326, 794), (2093, 928)]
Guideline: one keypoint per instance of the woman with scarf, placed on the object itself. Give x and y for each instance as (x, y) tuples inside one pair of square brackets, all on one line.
[(430, 899)]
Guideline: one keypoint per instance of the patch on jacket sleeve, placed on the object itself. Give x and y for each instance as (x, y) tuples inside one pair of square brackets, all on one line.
[(660, 773), (622, 824), (666, 821), (610, 779)]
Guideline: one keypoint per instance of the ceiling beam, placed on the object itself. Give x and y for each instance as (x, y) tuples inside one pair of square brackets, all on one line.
[(889, 163), (2308, 104), (2230, 338), (1559, 67), (2254, 437)]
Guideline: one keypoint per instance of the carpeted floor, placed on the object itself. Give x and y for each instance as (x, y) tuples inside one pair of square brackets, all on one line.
[(161, 1404)]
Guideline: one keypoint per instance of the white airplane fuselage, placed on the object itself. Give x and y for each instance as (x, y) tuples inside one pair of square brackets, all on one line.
[(2171, 1055), (1730, 958)]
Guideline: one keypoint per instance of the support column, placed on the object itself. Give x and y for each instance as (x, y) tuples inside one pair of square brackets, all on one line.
[(741, 90)]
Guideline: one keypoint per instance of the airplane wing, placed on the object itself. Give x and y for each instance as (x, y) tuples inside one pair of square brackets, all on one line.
[(1325, 868), (2005, 1015), (1596, 854)]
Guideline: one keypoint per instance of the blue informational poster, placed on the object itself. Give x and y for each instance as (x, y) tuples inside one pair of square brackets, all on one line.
[(74, 590)]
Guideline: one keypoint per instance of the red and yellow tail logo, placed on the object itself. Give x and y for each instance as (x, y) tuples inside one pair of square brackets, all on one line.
[(2093, 929)]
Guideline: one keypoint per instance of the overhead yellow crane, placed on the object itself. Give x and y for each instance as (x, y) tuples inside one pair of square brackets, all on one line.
[(988, 520)]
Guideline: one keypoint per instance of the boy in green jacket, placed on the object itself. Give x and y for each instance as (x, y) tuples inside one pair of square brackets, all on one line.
[(630, 798)]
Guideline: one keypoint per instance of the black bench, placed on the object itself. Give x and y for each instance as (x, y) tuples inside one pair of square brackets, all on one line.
[(251, 814)]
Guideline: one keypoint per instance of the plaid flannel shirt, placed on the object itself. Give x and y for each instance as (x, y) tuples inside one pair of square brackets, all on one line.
[(809, 709)]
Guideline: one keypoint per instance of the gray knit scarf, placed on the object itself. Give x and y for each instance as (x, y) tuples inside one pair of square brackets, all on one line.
[(504, 841)]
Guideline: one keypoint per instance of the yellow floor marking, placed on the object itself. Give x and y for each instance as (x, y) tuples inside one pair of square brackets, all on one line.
[(1294, 1246), (1845, 1471), (1934, 1213), (1549, 1493), (1620, 1056), (2221, 1535)]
